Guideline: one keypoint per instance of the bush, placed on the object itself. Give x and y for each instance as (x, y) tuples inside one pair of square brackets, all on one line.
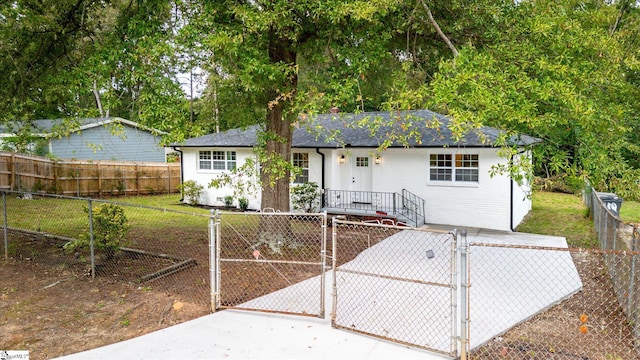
[(110, 227), (243, 203), (191, 191), (228, 201), (305, 197)]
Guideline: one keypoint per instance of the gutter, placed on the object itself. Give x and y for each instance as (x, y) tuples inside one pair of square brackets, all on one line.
[(181, 170)]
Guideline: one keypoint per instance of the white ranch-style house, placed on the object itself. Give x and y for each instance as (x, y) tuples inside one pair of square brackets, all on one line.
[(431, 179)]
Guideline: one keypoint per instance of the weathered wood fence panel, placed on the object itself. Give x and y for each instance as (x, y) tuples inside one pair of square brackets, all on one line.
[(86, 178)]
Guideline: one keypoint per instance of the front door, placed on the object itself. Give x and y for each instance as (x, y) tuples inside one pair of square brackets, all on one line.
[(361, 177)]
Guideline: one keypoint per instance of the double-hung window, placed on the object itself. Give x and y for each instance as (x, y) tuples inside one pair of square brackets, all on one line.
[(453, 167), (301, 161), (216, 160)]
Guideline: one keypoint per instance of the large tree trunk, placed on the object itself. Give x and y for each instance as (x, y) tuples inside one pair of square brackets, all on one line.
[(275, 231), (275, 181)]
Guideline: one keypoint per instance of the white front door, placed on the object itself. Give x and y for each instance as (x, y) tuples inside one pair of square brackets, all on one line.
[(361, 177)]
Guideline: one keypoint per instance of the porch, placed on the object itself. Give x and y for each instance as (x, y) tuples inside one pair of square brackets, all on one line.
[(404, 207)]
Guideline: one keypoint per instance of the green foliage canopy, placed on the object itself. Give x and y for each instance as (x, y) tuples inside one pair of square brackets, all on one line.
[(560, 71)]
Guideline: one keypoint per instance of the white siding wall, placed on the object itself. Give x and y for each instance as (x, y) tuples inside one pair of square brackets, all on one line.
[(485, 204), (213, 196)]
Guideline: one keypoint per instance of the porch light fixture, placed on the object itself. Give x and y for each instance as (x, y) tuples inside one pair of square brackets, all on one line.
[(378, 159), (342, 159)]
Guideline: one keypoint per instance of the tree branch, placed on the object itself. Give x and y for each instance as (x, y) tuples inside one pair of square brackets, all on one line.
[(438, 30), (97, 96)]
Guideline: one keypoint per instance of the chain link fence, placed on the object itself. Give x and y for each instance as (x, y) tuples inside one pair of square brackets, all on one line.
[(396, 283), (533, 302), (483, 300), (545, 303), (281, 255), (157, 248)]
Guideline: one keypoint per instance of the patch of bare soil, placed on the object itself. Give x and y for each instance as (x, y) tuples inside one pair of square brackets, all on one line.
[(53, 308)]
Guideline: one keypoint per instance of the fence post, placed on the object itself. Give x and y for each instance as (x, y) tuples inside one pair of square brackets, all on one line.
[(214, 264), (334, 257), (605, 233), (168, 179), (6, 235), (613, 257), (632, 311), (91, 247), (12, 170), (18, 185), (464, 295), (323, 261), (99, 179), (137, 179)]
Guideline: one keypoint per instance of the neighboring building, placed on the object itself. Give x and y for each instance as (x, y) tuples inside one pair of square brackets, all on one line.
[(433, 179), (110, 138)]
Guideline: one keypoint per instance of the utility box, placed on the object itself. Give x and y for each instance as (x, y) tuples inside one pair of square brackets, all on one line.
[(612, 202)]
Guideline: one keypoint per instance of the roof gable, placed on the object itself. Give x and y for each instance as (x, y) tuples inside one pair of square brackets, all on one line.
[(338, 130), (43, 127)]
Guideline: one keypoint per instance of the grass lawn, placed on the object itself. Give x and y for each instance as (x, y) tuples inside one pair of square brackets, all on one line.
[(630, 211), (552, 214), (165, 201), (566, 215), (560, 215), (69, 217)]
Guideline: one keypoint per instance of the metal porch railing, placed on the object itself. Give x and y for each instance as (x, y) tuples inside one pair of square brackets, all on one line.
[(405, 206)]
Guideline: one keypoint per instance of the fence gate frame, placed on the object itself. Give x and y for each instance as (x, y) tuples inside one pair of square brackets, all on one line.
[(215, 249), (458, 283)]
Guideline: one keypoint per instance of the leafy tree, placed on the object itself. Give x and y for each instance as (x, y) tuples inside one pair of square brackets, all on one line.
[(559, 73), (90, 58), (265, 48)]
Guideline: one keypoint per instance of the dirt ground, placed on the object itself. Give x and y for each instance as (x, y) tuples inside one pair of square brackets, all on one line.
[(54, 308)]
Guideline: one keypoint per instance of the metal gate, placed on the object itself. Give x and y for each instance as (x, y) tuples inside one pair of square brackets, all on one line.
[(270, 262), (402, 289)]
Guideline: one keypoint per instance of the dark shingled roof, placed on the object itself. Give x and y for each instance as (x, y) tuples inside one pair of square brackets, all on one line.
[(421, 128)]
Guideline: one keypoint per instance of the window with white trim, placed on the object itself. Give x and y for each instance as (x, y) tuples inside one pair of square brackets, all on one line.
[(301, 161), (216, 160), (456, 168)]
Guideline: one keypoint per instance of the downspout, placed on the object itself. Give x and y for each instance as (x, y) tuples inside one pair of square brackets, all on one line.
[(181, 172), (322, 177), (511, 204), (511, 226), (322, 168)]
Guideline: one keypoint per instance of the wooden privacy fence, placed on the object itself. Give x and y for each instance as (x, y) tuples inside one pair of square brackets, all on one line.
[(86, 178)]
